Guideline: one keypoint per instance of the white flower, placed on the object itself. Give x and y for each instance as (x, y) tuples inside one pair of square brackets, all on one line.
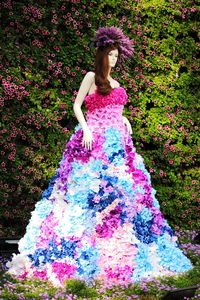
[(19, 265)]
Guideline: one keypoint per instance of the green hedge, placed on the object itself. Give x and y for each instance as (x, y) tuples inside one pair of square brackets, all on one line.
[(46, 51)]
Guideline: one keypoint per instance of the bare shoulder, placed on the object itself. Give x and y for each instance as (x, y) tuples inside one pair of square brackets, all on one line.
[(87, 80), (90, 75), (85, 86), (116, 83)]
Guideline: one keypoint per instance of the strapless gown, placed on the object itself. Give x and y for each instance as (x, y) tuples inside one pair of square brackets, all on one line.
[(99, 218)]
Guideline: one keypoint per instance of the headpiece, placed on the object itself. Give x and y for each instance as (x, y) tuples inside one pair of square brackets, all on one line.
[(107, 36)]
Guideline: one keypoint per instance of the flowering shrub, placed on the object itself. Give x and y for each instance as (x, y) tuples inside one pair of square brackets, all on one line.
[(45, 54)]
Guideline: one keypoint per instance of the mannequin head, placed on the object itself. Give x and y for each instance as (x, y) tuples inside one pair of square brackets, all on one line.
[(106, 58), (107, 41), (112, 58)]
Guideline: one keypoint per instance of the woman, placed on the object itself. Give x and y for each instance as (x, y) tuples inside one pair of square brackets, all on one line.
[(99, 218)]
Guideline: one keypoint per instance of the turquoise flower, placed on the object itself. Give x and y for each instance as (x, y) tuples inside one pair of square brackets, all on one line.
[(171, 256), (146, 214), (142, 262), (43, 208)]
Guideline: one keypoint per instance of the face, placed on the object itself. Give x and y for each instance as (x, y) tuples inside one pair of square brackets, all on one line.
[(112, 57)]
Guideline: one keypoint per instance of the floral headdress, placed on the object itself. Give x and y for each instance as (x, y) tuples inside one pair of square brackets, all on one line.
[(106, 36)]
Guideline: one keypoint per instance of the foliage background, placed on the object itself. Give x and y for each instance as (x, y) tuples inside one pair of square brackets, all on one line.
[(45, 52)]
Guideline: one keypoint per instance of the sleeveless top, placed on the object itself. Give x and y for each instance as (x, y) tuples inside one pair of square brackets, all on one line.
[(95, 100), (104, 111)]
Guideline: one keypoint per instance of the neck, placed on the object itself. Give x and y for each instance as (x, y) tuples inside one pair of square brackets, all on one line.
[(109, 71)]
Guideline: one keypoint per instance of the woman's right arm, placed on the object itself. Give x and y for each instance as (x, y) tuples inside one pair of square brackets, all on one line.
[(88, 80)]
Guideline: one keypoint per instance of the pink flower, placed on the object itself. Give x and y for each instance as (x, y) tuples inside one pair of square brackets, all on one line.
[(63, 271), (63, 105), (120, 97), (97, 198), (41, 275)]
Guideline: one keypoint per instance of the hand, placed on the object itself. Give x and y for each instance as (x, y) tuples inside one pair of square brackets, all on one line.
[(128, 125), (87, 139)]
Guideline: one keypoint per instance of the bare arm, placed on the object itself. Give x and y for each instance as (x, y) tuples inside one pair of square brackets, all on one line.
[(128, 125), (83, 90)]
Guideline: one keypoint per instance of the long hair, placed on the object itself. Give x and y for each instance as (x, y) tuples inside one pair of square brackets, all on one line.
[(101, 69)]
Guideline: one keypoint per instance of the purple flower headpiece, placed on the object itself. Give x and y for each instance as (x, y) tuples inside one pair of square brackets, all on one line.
[(106, 36)]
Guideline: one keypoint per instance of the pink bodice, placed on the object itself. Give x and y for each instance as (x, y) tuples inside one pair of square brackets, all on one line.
[(106, 110), (95, 100)]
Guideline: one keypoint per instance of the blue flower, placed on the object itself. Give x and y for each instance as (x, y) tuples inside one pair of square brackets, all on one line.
[(127, 186), (79, 198), (39, 257), (43, 208), (168, 229), (42, 256), (123, 216), (139, 189), (87, 261), (171, 257), (104, 202), (146, 214), (117, 157), (28, 242), (48, 191), (113, 144), (142, 262), (54, 252), (143, 228), (105, 167), (68, 247)]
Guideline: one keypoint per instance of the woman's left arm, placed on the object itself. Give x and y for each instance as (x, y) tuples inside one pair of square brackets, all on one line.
[(128, 125)]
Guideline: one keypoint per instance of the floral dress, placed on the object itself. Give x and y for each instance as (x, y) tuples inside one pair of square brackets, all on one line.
[(99, 218)]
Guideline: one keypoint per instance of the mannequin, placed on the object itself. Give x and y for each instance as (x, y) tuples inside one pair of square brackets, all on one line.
[(88, 87)]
